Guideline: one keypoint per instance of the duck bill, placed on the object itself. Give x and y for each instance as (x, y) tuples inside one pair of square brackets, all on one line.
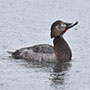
[(70, 25)]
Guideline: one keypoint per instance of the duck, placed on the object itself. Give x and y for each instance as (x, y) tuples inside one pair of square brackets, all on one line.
[(60, 51)]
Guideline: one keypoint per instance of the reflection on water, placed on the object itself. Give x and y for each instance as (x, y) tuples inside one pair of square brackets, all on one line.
[(51, 74), (34, 64), (59, 70), (61, 66)]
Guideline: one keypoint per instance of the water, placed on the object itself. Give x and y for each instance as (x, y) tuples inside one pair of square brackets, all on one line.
[(26, 23)]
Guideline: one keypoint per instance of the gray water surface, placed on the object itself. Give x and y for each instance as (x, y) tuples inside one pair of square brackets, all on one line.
[(27, 22)]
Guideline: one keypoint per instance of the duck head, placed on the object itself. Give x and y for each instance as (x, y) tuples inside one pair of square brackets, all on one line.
[(58, 28)]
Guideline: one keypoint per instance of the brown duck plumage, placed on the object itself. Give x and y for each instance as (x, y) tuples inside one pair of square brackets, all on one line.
[(44, 52)]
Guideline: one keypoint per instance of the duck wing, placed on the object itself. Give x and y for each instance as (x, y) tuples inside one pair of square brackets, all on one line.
[(43, 48), (36, 49)]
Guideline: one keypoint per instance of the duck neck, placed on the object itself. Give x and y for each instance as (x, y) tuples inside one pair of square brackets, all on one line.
[(62, 49)]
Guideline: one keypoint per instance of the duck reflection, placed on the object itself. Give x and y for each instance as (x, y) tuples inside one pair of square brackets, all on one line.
[(59, 71)]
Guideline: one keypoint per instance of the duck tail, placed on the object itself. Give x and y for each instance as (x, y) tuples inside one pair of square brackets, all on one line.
[(10, 52), (15, 54)]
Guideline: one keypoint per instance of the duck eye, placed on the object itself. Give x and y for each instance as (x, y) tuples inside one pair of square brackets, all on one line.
[(63, 25)]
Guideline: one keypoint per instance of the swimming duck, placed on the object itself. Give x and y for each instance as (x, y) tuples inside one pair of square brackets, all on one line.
[(45, 52)]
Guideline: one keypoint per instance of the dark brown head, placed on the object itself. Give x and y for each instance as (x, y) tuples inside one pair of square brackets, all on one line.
[(58, 28)]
